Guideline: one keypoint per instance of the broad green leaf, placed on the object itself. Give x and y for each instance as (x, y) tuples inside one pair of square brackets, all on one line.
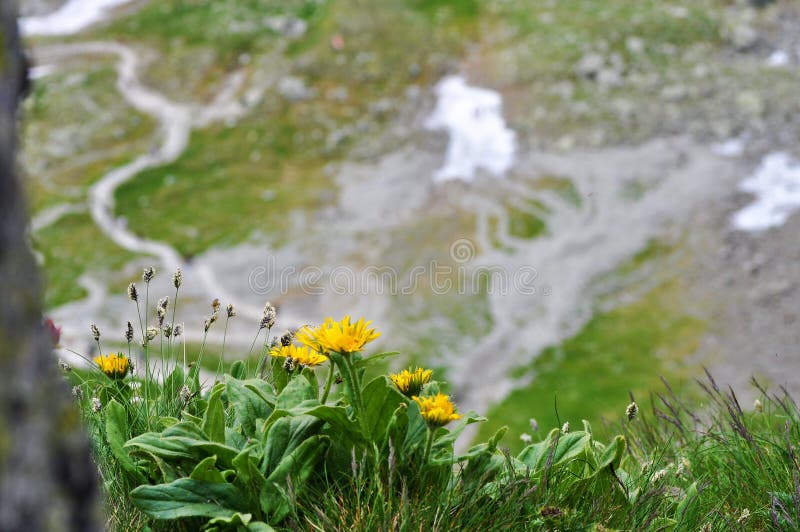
[(186, 416), (181, 441), (186, 497), (612, 455), (448, 437), (381, 399), (311, 377), (297, 391), (417, 431), (484, 462), (235, 521), (279, 376), (168, 473), (296, 467), (206, 470), (167, 421), (248, 477), (567, 447), (117, 434), (336, 416), (570, 446), (263, 389), (237, 370), (284, 436), (234, 438), (248, 404), (214, 417)]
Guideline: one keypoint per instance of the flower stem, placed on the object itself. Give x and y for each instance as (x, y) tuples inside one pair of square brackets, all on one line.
[(328, 382), (222, 354), (355, 390), (428, 445)]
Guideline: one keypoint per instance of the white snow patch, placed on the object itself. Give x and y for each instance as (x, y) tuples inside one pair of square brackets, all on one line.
[(479, 137), (778, 58), (729, 148), (70, 18), (776, 185)]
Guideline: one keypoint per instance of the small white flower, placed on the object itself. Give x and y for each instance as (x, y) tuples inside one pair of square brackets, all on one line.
[(565, 427), (534, 425), (526, 438), (97, 405)]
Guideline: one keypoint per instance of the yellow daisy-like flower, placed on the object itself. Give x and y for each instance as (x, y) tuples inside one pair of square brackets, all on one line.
[(437, 410), (114, 365), (339, 336), (301, 355), (410, 383)]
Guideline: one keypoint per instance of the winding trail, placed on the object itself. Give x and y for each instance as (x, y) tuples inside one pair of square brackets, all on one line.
[(176, 121)]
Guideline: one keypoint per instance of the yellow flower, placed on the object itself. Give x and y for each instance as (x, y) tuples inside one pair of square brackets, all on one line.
[(411, 383), (301, 355), (114, 365), (437, 410), (339, 336)]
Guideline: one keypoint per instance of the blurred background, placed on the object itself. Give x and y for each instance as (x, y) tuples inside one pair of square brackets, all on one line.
[(553, 203)]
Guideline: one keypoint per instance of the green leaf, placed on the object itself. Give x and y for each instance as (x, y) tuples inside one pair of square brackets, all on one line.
[(248, 477), (234, 521), (296, 467), (448, 437), (167, 421), (279, 376), (249, 405), (206, 470), (381, 399), (187, 497), (297, 391), (284, 436), (336, 416), (237, 370), (181, 441), (567, 447), (417, 431), (364, 362), (612, 455), (311, 377), (214, 417), (117, 434)]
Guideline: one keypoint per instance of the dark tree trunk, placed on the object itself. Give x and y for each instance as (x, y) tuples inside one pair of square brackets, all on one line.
[(47, 480)]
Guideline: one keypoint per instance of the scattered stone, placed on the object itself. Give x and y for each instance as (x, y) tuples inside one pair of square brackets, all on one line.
[(674, 93), (287, 25), (751, 103), (590, 65), (739, 32), (634, 45), (610, 78), (295, 89)]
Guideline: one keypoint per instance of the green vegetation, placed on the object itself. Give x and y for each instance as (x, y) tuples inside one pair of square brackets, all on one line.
[(76, 129), (71, 248), (624, 349), (285, 445)]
